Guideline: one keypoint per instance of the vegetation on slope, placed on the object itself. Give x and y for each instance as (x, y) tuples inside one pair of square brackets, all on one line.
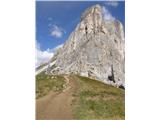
[(46, 83), (98, 101), (93, 100)]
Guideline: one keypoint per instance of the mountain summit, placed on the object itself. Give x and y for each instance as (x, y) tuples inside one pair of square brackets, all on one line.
[(95, 49)]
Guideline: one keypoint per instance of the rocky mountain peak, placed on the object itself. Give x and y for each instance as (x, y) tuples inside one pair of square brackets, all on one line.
[(93, 11), (94, 49), (91, 19)]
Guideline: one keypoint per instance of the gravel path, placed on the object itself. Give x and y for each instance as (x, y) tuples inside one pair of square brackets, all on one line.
[(57, 106)]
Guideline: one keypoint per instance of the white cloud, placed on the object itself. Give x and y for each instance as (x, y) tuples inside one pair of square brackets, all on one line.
[(57, 31), (112, 3), (107, 15), (44, 56)]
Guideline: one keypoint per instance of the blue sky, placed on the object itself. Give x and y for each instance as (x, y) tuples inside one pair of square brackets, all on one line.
[(56, 20)]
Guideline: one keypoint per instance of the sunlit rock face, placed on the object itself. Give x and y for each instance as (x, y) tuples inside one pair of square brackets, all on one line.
[(94, 49)]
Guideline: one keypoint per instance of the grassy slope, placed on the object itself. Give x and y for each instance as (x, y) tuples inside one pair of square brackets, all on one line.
[(46, 83), (98, 101), (94, 100)]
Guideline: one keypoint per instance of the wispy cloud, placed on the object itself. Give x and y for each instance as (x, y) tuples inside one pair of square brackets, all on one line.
[(112, 3), (50, 18), (42, 56), (57, 31), (46, 55), (106, 14)]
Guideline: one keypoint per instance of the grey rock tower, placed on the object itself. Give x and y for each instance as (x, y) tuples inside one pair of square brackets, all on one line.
[(94, 49)]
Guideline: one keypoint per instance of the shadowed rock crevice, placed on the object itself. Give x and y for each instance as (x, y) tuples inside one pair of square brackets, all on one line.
[(111, 77), (122, 87), (86, 29)]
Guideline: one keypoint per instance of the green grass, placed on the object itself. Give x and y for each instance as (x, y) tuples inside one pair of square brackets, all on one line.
[(94, 100), (46, 83), (98, 101)]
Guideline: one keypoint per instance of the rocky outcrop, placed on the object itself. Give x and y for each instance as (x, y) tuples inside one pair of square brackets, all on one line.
[(94, 49)]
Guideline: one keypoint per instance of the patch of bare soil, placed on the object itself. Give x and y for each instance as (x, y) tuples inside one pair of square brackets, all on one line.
[(57, 106)]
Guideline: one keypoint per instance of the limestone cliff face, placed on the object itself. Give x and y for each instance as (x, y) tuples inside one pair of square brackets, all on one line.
[(94, 49)]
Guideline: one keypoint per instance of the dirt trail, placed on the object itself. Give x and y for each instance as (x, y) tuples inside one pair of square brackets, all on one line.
[(57, 106)]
